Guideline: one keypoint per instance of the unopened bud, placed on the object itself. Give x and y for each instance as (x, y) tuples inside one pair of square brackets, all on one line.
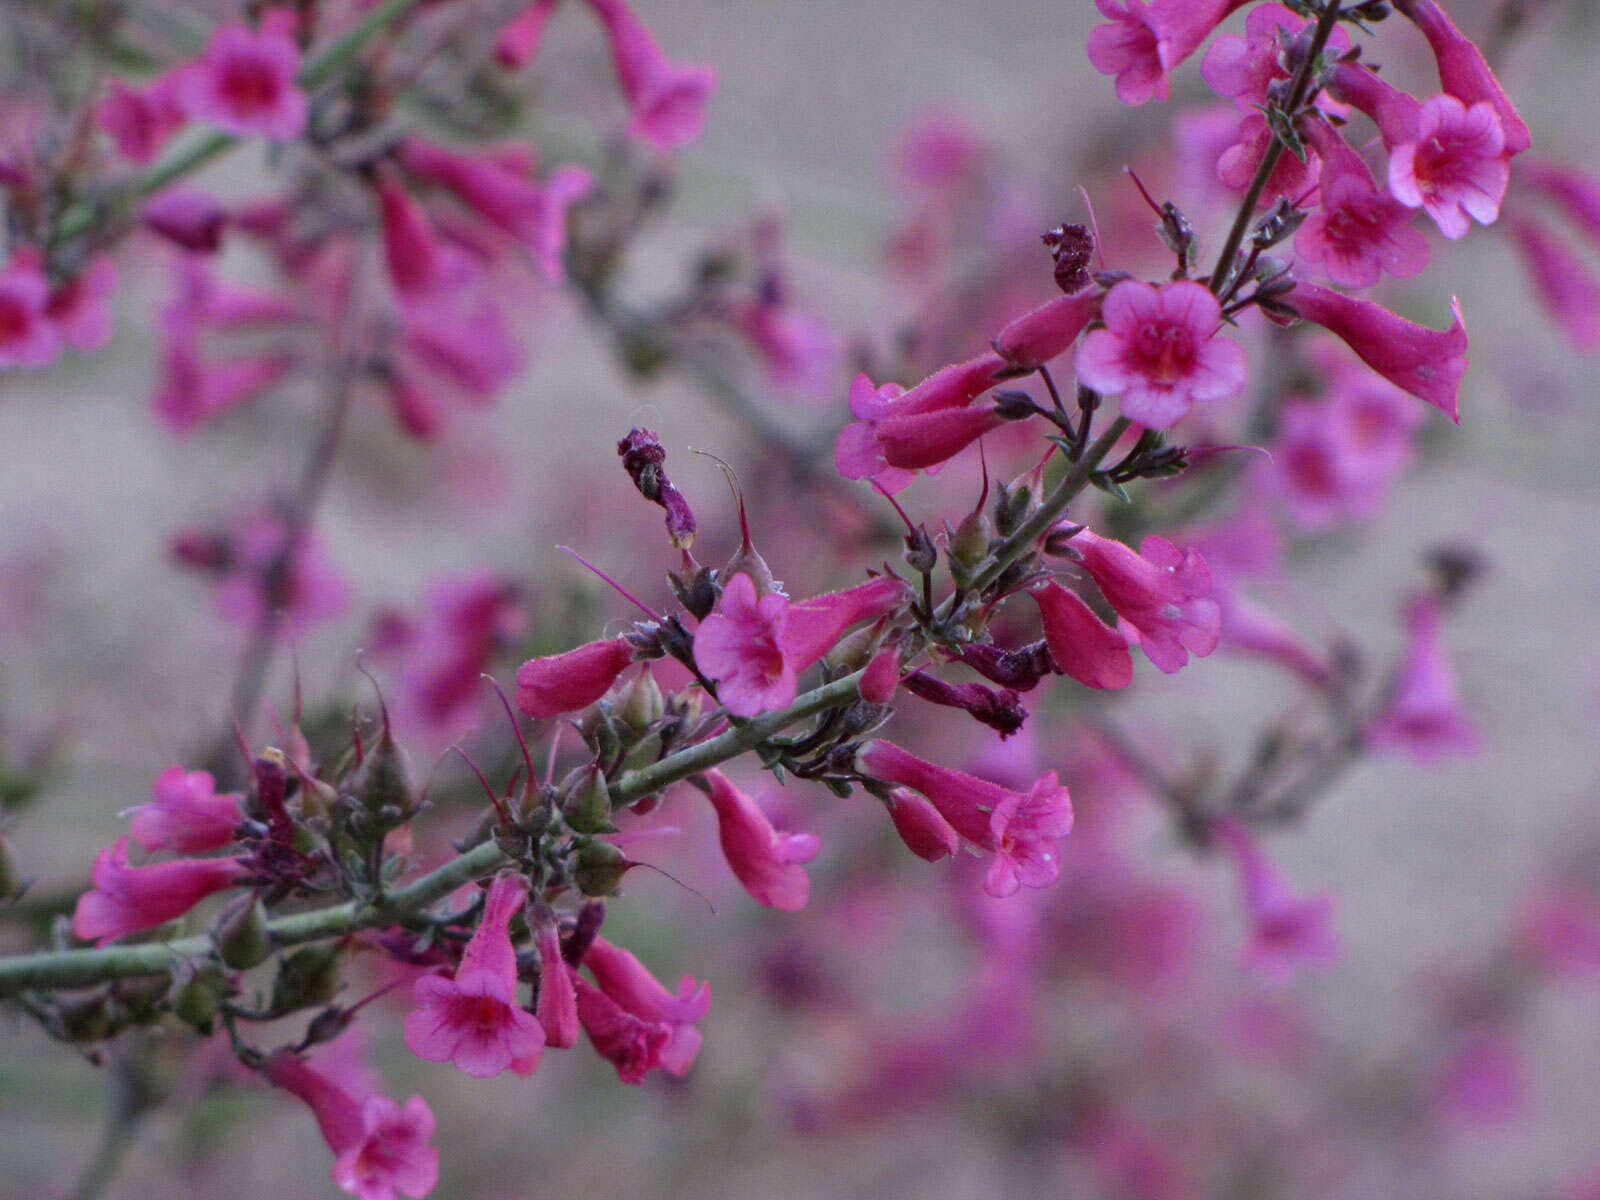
[(600, 868), (328, 1024), (698, 593), (308, 976), (241, 935), (969, 541), (586, 800), (645, 751), (382, 782), (639, 704), (196, 993)]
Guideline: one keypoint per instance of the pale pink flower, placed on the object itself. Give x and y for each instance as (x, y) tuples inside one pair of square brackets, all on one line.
[(1577, 192), (1082, 646), (766, 861), (668, 99), (244, 83), (126, 899), (205, 302), (1558, 928), (1359, 232), (1463, 70), (1147, 39), (79, 307), (1423, 716), (1481, 1079), (1318, 472), (474, 1020), (1161, 595), (382, 1149), (517, 43), (1158, 352), (630, 984), (563, 683), (740, 646), (1568, 290), (1427, 363), (1287, 932), (141, 120), (1251, 630), (632, 1045), (1456, 168), (186, 815), (28, 338)]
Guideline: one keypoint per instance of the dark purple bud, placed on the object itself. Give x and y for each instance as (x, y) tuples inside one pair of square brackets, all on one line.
[(1072, 246), (1001, 711), (1020, 669), (590, 917), (642, 455)]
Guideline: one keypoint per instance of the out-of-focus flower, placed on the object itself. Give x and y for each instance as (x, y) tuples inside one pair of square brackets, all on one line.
[(1287, 932), (668, 99), (141, 120), (1424, 716), (244, 82), (1358, 233), (28, 338), (517, 43), (186, 814)]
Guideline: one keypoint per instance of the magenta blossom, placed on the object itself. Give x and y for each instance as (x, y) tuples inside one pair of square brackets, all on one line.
[(141, 120), (557, 1006), (1427, 363), (1395, 113), (191, 219), (78, 307), (926, 834), (1245, 67), (244, 82), (517, 43), (767, 861), (474, 1020), (1035, 338), (194, 388), (382, 1148), (126, 899), (411, 247), (1161, 595), (1020, 829), (1576, 192), (668, 99), (1157, 352), (1291, 178), (1287, 932), (28, 338), (1359, 232), (631, 1044), (1081, 644), (563, 683), (1423, 716), (1146, 39), (186, 814), (1568, 289), (1463, 70), (911, 422), (1456, 168), (626, 980)]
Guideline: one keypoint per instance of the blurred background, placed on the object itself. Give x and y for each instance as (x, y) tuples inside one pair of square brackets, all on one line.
[(875, 1043)]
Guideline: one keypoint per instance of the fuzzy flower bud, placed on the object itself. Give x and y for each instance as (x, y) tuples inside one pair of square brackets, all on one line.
[(563, 683)]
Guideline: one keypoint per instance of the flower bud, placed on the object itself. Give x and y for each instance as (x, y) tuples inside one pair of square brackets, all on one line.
[(196, 993), (925, 833), (969, 541), (639, 704), (308, 976), (382, 781), (586, 801), (600, 868), (241, 935), (644, 752)]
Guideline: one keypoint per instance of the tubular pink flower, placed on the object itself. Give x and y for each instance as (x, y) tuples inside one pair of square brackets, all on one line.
[(924, 440), (558, 1003), (141, 120), (882, 677), (204, 302), (1147, 39), (1019, 829), (1238, 163), (1570, 293), (1464, 72), (78, 306), (1424, 716), (410, 245), (740, 645), (668, 99), (1395, 113), (563, 683), (1082, 646), (126, 899), (1161, 595), (1251, 630), (193, 389), (1359, 232), (861, 453), (517, 43), (1455, 168), (1048, 331), (1428, 364), (632, 1045), (474, 1020), (186, 814), (28, 338), (816, 624), (188, 218), (1577, 192), (1287, 932), (626, 980), (1244, 67), (764, 859), (460, 341), (382, 1149), (244, 83), (926, 834), (1157, 352)]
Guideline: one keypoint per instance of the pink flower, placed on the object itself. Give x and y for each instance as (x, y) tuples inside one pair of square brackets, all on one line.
[(1319, 470), (1147, 39), (1238, 163), (1577, 192), (310, 593), (1463, 70), (1253, 631), (28, 338), (411, 247), (1570, 293), (624, 979), (563, 683), (1020, 829), (189, 218), (888, 415), (1359, 232), (1423, 716), (186, 815), (1035, 338), (926, 834), (141, 120), (740, 645), (1426, 363), (632, 1045), (1157, 352), (558, 1004), (1481, 1080), (204, 302), (1161, 595), (518, 40), (815, 625), (457, 344), (1287, 932), (78, 306), (765, 860), (668, 99), (1081, 644), (1559, 929), (1395, 113), (193, 389), (244, 83), (1244, 67), (382, 1149), (126, 899), (474, 1020), (1455, 168)]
